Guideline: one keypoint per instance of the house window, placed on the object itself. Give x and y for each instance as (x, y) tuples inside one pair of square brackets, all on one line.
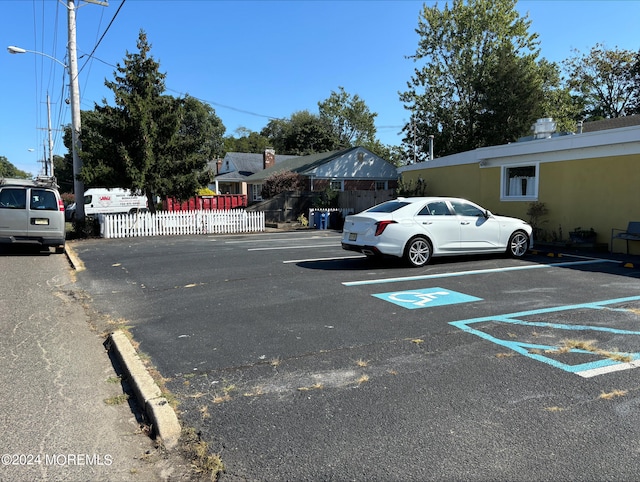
[(520, 183), (381, 185), (256, 192), (335, 185)]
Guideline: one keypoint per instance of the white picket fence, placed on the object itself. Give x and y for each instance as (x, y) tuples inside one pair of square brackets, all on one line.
[(166, 223)]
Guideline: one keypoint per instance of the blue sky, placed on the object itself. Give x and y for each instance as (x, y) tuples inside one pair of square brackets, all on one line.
[(251, 60)]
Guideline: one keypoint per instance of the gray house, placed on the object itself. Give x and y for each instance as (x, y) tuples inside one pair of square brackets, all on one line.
[(233, 171), (352, 169)]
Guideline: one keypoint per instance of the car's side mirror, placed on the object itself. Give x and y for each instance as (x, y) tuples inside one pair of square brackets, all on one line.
[(487, 214)]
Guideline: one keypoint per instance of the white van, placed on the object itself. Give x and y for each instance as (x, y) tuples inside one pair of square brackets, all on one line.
[(110, 201)]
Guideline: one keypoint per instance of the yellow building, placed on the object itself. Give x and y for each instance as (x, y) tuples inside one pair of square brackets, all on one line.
[(589, 180)]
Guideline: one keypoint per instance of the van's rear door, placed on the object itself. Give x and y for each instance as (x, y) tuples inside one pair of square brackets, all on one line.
[(45, 218)]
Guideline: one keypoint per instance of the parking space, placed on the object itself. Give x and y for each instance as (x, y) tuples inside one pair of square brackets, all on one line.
[(280, 345)]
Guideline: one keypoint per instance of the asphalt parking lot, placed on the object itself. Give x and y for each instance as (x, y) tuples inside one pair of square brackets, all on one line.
[(297, 360)]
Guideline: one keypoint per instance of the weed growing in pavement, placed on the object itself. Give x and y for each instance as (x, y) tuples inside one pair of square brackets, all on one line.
[(222, 398), (363, 379), (590, 346), (613, 394), (117, 399), (554, 409), (197, 451)]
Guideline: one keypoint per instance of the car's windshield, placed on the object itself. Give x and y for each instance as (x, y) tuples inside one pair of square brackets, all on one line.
[(388, 207)]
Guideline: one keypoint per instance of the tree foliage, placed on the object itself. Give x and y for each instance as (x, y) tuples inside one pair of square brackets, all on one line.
[(607, 81), (479, 82), (9, 170), (248, 141), (148, 142), (282, 181), (350, 119), (344, 120), (303, 133)]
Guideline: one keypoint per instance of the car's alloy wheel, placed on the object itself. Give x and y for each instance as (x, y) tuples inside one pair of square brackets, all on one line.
[(418, 252), (518, 244)]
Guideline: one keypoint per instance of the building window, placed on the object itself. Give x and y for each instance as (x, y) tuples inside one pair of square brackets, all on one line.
[(520, 183), (381, 185), (335, 185), (256, 192)]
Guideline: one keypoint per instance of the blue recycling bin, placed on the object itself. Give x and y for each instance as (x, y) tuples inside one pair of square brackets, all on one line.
[(320, 220), (324, 220)]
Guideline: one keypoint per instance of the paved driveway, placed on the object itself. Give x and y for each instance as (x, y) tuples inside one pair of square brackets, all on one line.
[(297, 360)]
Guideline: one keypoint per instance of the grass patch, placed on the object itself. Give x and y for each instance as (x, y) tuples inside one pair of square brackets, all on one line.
[(612, 394), (117, 379), (256, 392), (316, 386), (197, 451), (505, 355), (417, 341), (363, 379), (554, 409), (362, 363), (117, 399), (222, 398), (590, 346), (204, 412)]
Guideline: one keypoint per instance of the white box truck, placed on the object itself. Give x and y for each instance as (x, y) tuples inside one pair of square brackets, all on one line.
[(110, 201)]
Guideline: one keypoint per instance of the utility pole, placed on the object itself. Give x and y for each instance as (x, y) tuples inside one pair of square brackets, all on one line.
[(74, 93), (50, 138)]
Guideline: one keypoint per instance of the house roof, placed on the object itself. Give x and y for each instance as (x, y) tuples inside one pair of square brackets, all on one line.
[(305, 164), (615, 123), (243, 164)]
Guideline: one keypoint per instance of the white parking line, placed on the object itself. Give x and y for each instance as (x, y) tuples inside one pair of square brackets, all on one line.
[(275, 240), (293, 247), (609, 369), (472, 272), (322, 259)]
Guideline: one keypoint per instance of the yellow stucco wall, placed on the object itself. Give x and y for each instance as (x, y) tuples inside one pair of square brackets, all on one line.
[(601, 193)]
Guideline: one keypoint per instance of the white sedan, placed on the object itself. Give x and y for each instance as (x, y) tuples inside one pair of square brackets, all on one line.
[(418, 228)]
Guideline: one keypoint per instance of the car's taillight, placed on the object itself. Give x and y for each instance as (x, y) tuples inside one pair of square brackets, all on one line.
[(60, 205), (381, 226)]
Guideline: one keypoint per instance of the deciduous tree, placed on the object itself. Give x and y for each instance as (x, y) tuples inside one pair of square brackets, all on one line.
[(478, 82), (606, 80)]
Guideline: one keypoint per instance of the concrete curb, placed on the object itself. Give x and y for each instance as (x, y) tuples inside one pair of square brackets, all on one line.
[(164, 420)]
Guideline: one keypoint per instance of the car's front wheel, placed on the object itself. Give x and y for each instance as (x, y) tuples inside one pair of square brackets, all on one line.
[(418, 252), (518, 244)]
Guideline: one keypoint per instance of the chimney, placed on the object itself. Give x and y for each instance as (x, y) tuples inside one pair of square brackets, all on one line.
[(269, 158), (218, 166)]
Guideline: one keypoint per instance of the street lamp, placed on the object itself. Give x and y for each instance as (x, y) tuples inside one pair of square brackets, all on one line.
[(74, 92), (17, 50)]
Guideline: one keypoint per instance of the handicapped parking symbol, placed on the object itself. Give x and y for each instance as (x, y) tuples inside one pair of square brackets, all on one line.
[(426, 298)]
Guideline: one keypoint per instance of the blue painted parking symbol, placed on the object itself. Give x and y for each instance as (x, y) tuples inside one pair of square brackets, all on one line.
[(425, 298)]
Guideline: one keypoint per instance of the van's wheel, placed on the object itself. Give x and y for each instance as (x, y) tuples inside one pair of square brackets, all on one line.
[(59, 250), (418, 252), (518, 244)]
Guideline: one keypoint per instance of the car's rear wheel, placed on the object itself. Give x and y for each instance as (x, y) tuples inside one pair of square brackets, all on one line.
[(518, 244), (418, 252)]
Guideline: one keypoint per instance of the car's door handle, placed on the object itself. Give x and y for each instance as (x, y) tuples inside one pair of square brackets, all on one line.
[(427, 222), (464, 223)]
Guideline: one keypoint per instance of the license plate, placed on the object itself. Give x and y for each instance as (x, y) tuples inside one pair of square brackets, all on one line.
[(353, 236), (40, 222)]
